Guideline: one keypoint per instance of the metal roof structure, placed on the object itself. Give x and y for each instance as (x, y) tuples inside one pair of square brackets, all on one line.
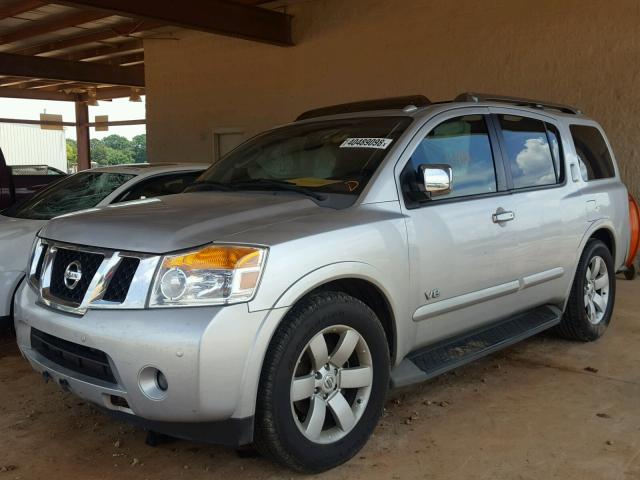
[(74, 50)]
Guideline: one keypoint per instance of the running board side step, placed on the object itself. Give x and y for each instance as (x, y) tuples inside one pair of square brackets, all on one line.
[(452, 353)]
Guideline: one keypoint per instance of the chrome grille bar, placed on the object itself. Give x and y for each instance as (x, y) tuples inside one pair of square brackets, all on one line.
[(93, 298)]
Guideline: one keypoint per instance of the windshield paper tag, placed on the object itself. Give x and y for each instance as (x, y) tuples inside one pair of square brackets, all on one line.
[(379, 143)]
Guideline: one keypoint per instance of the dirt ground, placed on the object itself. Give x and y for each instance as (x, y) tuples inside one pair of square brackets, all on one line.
[(544, 409)]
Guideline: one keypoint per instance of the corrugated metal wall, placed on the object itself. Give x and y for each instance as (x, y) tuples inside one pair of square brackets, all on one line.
[(30, 145)]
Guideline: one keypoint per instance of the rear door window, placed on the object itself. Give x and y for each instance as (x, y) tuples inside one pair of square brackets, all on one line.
[(528, 152), (593, 153)]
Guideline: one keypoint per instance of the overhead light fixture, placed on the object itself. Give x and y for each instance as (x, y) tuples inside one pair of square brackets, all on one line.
[(135, 95), (92, 98)]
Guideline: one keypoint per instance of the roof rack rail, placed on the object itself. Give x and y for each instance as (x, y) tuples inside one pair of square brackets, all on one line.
[(393, 103), (522, 102)]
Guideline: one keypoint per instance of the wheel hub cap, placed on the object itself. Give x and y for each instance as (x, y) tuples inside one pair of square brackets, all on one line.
[(331, 384), (596, 290)]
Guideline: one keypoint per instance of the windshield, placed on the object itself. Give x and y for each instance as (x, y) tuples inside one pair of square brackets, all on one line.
[(78, 192), (316, 159)]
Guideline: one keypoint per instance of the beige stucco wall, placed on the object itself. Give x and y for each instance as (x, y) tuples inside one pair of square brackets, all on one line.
[(582, 52)]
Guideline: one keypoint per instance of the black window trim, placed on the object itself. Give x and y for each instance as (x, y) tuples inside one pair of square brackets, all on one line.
[(496, 150)]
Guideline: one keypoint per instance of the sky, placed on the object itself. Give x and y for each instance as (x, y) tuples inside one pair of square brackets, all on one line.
[(117, 109)]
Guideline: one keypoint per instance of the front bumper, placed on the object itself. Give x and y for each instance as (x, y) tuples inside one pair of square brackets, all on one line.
[(206, 354)]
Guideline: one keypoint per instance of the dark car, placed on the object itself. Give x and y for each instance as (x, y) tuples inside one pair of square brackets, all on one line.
[(19, 182)]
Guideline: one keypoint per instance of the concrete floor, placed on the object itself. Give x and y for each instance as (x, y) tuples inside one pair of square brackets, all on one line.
[(544, 409)]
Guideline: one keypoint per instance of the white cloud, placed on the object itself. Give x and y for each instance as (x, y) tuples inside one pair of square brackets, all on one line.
[(535, 161)]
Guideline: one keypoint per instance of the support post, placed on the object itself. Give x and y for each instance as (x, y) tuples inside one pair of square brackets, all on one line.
[(82, 132)]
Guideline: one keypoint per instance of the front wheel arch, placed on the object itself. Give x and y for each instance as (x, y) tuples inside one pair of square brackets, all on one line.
[(276, 433)]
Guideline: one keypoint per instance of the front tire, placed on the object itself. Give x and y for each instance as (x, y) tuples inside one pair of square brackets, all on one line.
[(323, 383), (593, 293)]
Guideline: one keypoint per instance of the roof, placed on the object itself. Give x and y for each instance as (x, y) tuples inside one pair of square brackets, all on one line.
[(417, 105), (94, 48)]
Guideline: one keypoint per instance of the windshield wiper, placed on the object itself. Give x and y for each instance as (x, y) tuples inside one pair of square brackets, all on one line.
[(204, 185), (268, 184)]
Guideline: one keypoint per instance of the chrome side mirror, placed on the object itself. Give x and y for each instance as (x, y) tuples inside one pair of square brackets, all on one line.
[(438, 179)]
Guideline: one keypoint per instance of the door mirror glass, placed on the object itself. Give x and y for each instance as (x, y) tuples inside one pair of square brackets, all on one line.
[(438, 179)]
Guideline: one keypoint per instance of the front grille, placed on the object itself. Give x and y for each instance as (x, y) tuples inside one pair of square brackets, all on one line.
[(40, 264), (77, 358), (89, 264), (121, 281)]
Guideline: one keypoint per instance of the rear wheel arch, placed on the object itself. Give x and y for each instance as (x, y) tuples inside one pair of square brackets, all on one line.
[(606, 236), (603, 232), (577, 323)]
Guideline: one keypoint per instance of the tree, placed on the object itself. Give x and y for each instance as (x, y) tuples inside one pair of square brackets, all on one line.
[(117, 142), (139, 148), (116, 150), (72, 153), (98, 152)]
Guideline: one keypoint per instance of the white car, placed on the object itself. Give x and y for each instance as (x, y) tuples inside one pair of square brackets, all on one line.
[(93, 188)]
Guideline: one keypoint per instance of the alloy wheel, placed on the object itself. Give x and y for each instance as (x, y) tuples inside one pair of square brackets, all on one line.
[(331, 384), (596, 290)]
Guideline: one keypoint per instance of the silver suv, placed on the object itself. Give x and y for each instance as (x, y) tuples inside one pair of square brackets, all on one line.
[(363, 246)]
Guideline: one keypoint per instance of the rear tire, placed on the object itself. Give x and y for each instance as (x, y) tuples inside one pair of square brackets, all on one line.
[(592, 298), (323, 383)]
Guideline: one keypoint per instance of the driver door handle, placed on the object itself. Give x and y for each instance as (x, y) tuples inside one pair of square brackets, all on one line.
[(502, 216)]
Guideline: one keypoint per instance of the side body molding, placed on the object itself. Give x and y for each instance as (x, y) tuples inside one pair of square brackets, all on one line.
[(468, 299)]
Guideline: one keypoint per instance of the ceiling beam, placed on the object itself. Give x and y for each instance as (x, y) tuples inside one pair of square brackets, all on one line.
[(108, 93), (19, 7), (107, 50), (36, 94), (213, 16), (44, 84), (123, 29), (54, 69), (5, 81), (122, 59), (51, 24)]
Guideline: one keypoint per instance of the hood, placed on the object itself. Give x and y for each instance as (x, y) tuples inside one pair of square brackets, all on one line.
[(176, 222), (16, 239)]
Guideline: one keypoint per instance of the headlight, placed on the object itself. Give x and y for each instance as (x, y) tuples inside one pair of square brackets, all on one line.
[(211, 275)]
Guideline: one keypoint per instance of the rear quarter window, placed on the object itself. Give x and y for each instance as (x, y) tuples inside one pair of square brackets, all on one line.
[(593, 153)]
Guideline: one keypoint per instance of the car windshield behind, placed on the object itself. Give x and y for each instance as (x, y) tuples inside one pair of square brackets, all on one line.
[(317, 158), (78, 192)]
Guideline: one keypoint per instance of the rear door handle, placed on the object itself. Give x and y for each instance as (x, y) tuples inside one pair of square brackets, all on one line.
[(502, 215)]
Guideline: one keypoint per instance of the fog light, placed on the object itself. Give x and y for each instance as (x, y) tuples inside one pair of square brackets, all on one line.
[(153, 383), (161, 380)]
